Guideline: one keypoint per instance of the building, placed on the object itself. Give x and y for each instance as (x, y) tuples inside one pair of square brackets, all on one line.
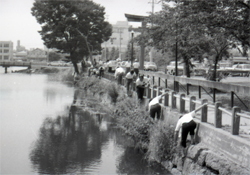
[(19, 48), (6, 50), (119, 38), (37, 55)]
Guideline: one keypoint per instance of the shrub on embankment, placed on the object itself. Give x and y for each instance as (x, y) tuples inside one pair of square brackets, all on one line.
[(153, 137)]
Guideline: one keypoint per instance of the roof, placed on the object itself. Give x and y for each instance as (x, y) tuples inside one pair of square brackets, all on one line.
[(135, 18)]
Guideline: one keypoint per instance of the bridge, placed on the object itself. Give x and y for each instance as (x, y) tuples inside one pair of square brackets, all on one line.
[(29, 65), (7, 64)]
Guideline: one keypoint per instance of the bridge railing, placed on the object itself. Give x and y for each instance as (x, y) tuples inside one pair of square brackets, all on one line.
[(178, 101), (14, 63), (184, 103)]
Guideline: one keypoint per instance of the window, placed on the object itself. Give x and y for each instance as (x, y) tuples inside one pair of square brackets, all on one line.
[(6, 57), (6, 45), (0, 57), (1, 51), (6, 51), (1, 45)]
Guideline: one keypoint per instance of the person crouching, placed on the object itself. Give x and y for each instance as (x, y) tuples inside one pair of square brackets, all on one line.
[(154, 107)]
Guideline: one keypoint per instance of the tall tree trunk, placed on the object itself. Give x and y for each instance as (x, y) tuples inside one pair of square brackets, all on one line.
[(75, 67), (215, 68), (186, 66)]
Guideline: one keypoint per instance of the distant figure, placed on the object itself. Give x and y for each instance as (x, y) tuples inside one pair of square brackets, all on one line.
[(154, 106), (94, 63), (187, 125), (140, 85), (90, 70), (130, 77), (83, 64), (101, 71), (119, 73)]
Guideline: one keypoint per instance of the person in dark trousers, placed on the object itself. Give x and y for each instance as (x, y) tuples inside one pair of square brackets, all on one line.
[(101, 72), (187, 125), (154, 106), (119, 73), (129, 77), (140, 85)]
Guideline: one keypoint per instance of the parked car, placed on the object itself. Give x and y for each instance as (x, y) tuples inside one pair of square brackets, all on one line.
[(136, 65), (170, 69), (125, 64), (150, 66), (245, 68), (56, 63), (112, 65)]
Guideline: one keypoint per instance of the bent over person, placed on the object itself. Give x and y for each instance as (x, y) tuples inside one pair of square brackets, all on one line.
[(154, 106), (186, 125)]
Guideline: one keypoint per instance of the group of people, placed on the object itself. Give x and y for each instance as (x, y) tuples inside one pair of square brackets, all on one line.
[(185, 125), (97, 71)]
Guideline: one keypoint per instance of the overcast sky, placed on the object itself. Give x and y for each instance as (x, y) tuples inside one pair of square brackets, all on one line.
[(17, 23)]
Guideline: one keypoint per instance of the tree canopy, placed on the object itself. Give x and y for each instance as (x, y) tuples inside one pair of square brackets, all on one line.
[(73, 27), (189, 29)]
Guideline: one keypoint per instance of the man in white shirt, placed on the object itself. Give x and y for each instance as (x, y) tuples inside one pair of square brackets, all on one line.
[(129, 77), (140, 85), (187, 125), (154, 106), (119, 73)]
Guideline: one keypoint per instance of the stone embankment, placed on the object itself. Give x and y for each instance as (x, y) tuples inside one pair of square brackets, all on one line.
[(201, 160)]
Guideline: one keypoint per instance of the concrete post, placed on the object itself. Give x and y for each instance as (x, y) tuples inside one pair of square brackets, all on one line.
[(154, 91), (173, 99), (6, 71), (182, 103), (191, 103), (166, 98), (158, 91), (218, 115), (235, 121), (204, 111), (149, 92)]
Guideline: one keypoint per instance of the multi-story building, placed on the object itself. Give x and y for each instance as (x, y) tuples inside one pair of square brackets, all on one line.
[(119, 38), (19, 48), (6, 50)]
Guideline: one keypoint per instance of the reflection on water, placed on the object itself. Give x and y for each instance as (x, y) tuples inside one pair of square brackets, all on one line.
[(42, 133), (88, 144)]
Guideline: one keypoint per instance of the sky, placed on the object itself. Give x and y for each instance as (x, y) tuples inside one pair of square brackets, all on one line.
[(17, 23)]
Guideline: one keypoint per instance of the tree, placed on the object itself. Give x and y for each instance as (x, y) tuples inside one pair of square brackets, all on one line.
[(73, 27), (53, 56), (190, 28)]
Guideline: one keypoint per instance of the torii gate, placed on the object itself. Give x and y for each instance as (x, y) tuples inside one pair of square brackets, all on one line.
[(137, 18)]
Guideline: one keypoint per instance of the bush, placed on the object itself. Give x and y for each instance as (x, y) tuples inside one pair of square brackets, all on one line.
[(113, 92), (134, 121), (161, 146)]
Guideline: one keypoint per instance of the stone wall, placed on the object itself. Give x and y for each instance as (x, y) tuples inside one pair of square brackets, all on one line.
[(200, 160), (216, 152), (233, 147)]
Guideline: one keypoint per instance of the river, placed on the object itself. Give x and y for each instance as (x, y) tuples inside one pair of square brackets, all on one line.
[(42, 133)]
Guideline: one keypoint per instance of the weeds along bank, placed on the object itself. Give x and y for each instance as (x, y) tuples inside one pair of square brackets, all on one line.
[(154, 138)]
